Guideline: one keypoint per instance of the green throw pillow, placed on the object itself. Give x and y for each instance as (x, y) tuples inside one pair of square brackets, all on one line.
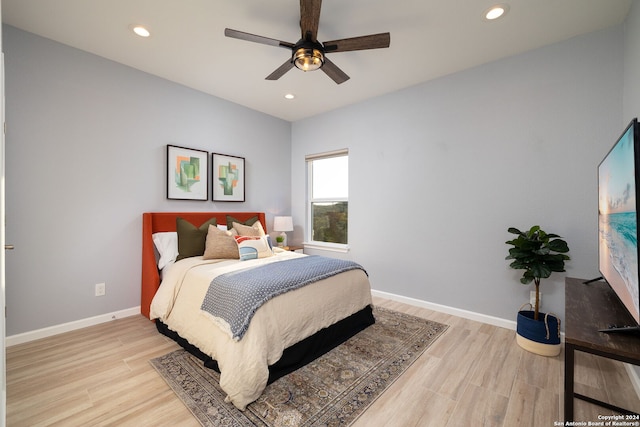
[(231, 220), (192, 239)]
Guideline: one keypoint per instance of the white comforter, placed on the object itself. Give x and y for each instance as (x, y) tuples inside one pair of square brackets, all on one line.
[(278, 324)]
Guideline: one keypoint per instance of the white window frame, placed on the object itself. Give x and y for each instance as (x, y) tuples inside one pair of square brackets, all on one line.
[(309, 242)]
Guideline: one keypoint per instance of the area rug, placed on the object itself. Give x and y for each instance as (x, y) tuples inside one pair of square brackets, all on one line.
[(333, 390)]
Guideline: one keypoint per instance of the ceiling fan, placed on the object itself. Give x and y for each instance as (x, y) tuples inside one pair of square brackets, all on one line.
[(308, 53)]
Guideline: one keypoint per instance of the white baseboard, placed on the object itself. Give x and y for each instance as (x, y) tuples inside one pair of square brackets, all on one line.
[(71, 326), (83, 323), (491, 320)]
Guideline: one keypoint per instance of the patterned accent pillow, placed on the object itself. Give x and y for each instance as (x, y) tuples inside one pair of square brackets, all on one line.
[(191, 239), (220, 244), (254, 230), (252, 247)]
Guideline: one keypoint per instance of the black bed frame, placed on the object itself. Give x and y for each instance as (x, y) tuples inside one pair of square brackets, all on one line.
[(298, 354)]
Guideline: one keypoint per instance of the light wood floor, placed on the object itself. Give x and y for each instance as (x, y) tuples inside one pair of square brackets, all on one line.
[(473, 375)]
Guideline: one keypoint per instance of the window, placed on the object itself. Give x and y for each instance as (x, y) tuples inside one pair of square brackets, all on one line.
[(328, 198)]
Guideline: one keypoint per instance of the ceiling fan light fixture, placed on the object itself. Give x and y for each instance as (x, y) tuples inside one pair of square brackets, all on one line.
[(308, 59)]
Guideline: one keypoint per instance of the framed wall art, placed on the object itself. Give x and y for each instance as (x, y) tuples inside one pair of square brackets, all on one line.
[(228, 178), (187, 173)]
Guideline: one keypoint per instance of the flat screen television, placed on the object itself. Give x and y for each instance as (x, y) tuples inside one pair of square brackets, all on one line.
[(618, 190)]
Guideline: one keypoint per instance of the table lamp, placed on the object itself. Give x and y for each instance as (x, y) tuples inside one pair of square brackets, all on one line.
[(283, 224)]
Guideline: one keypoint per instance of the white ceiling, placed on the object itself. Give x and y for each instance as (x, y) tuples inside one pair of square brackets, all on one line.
[(429, 38)]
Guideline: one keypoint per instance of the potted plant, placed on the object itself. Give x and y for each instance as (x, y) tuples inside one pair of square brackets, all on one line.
[(539, 254), (280, 240)]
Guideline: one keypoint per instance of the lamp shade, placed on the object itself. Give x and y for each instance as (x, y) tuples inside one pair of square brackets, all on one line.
[(282, 223)]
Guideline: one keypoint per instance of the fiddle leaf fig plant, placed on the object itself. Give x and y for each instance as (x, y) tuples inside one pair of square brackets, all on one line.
[(537, 253)]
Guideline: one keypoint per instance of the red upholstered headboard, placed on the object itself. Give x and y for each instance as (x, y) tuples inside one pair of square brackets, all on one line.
[(154, 222)]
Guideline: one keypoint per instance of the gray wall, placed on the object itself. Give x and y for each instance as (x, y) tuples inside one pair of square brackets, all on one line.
[(439, 171), (631, 97), (85, 157)]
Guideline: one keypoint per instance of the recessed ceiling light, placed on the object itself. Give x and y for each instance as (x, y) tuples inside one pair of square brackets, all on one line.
[(140, 30), (495, 12), (289, 96)]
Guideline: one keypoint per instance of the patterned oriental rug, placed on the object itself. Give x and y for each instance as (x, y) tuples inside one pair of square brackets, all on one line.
[(333, 390)]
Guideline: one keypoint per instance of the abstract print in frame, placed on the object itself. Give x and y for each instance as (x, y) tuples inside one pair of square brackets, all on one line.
[(187, 173), (228, 178)]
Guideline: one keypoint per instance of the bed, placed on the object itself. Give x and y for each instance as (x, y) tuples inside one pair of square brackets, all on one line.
[(285, 333)]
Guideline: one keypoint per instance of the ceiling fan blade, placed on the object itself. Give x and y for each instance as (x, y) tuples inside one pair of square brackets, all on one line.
[(280, 71), (332, 70), (309, 19), (256, 39), (373, 41)]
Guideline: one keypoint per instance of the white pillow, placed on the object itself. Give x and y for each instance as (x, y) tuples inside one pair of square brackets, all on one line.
[(167, 246)]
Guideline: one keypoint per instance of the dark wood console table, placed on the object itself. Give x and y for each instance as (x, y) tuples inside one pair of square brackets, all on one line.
[(587, 309)]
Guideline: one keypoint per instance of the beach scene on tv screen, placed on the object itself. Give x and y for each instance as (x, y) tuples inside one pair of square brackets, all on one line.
[(618, 241)]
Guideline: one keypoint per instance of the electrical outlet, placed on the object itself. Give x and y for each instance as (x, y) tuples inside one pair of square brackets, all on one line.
[(532, 299), (101, 289)]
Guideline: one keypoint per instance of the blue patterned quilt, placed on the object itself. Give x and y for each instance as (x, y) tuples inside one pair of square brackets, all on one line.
[(235, 297)]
